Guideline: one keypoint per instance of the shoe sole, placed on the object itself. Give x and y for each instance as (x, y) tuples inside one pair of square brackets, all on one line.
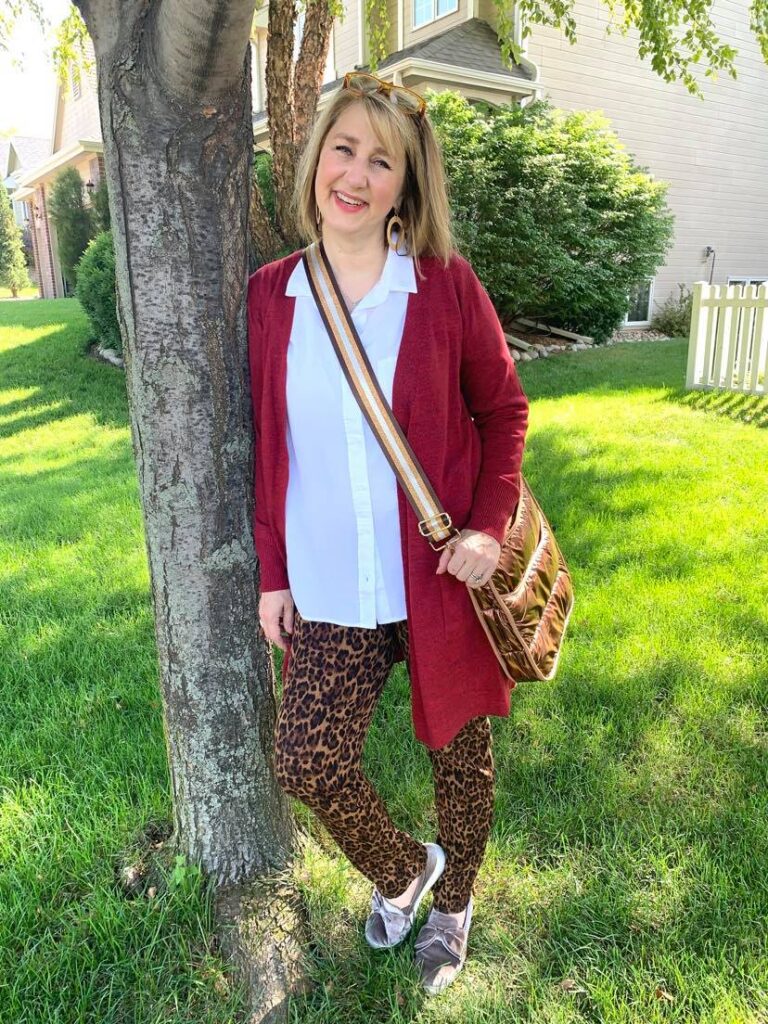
[(435, 991), (436, 872)]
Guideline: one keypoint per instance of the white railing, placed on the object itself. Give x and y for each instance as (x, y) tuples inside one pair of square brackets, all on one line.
[(728, 346)]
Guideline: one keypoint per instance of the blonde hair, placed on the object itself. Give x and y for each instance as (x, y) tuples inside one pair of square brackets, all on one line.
[(424, 209)]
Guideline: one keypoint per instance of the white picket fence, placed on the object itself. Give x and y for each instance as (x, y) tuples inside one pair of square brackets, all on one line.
[(728, 346)]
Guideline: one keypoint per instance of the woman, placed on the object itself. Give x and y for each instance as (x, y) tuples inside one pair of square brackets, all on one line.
[(348, 583)]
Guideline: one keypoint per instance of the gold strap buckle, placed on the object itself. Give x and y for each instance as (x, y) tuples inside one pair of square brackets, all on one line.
[(441, 519)]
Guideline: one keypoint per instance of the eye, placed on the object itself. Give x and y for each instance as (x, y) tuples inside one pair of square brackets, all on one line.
[(383, 163), (345, 149)]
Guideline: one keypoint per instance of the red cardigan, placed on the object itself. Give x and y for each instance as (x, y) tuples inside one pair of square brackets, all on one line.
[(458, 399)]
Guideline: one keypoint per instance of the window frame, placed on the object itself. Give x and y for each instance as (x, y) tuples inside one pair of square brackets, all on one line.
[(435, 17), (642, 323), (747, 279)]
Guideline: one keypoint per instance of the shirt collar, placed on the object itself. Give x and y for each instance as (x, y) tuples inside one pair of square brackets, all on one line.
[(398, 275)]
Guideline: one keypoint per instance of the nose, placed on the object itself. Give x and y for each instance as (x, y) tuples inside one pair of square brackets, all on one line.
[(357, 174)]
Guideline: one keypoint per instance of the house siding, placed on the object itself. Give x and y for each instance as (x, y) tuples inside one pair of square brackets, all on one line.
[(418, 35), (714, 153), (345, 39), (78, 118)]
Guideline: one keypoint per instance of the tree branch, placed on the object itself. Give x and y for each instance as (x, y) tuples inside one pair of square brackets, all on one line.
[(311, 66), (280, 108)]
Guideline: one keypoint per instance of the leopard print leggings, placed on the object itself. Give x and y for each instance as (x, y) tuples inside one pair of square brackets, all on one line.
[(334, 679)]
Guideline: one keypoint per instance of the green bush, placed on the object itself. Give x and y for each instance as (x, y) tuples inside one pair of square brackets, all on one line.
[(674, 314), (550, 210), (73, 220), (96, 289), (13, 264)]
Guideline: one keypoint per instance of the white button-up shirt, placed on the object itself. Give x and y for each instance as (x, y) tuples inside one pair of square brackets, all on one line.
[(341, 517)]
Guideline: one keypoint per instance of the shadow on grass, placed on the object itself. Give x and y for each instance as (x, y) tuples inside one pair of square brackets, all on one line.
[(750, 409), (631, 804), (56, 370)]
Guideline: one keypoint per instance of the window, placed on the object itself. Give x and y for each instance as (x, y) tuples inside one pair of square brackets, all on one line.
[(748, 280), (75, 82), (425, 11), (640, 298)]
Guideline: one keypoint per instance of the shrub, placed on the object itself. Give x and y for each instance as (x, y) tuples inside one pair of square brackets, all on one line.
[(13, 264), (674, 314), (72, 218), (550, 210), (96, 289)]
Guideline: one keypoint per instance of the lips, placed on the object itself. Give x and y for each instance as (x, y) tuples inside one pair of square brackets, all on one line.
[(341, 200)]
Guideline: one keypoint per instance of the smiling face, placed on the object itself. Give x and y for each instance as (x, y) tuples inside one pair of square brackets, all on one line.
[(357, 182)]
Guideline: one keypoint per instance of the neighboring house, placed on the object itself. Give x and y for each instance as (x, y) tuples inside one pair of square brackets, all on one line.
[(75, 142), (19, 154), (714, 153)]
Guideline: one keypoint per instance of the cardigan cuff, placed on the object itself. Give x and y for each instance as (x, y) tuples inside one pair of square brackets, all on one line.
[(491, 514), (273, 573)]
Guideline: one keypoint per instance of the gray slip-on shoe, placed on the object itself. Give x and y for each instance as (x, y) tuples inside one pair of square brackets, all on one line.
[(440, 949), (388, 925)]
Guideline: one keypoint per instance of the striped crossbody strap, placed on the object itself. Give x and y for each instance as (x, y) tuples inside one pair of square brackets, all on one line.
[(434, 523)]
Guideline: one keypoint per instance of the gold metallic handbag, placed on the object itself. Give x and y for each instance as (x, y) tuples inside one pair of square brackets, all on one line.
[(525, 606)]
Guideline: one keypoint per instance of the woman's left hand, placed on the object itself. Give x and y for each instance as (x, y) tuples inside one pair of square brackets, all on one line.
[(476, 553)]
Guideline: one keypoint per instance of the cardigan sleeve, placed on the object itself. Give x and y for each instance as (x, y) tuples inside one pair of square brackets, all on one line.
[(274, 574), (497, 403)]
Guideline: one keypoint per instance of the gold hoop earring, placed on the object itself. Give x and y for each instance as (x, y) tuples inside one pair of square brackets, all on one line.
[(395, 223)]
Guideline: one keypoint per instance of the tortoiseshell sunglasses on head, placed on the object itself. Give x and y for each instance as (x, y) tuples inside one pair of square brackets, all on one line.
[(363, 83)]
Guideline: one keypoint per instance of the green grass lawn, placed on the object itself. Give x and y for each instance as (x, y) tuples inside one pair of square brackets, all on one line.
[(626, 879), (24, 293)]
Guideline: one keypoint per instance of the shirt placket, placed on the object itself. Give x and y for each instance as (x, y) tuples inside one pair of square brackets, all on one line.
[(361, 491)]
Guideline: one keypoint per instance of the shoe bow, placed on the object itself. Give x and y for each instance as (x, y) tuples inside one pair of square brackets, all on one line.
[(392, 918), (441, 944)]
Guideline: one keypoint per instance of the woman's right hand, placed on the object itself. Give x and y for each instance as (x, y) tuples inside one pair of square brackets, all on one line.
[(276, 606)]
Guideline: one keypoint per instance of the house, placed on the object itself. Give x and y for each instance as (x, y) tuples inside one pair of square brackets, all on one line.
[(19, 154), (75, 142), (714, 153)]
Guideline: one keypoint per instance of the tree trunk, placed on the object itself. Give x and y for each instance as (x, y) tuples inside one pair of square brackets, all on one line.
[(280, 98), (174, 99)]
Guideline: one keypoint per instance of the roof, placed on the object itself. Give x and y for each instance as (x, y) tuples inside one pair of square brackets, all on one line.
[(473, 45), (30, 151)]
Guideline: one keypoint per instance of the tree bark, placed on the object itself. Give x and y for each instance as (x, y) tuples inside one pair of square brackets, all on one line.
[(177, 149), (310, 68), (280, 105), (292, 93)]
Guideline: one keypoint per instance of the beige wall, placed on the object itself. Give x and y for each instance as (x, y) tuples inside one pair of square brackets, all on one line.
[(714, 153), (345, 38), (78, 118), (432, 28)]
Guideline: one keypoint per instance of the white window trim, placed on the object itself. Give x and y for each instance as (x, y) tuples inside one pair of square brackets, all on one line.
[(745, 279), (75, 85), (642, 323), (434, 18)]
